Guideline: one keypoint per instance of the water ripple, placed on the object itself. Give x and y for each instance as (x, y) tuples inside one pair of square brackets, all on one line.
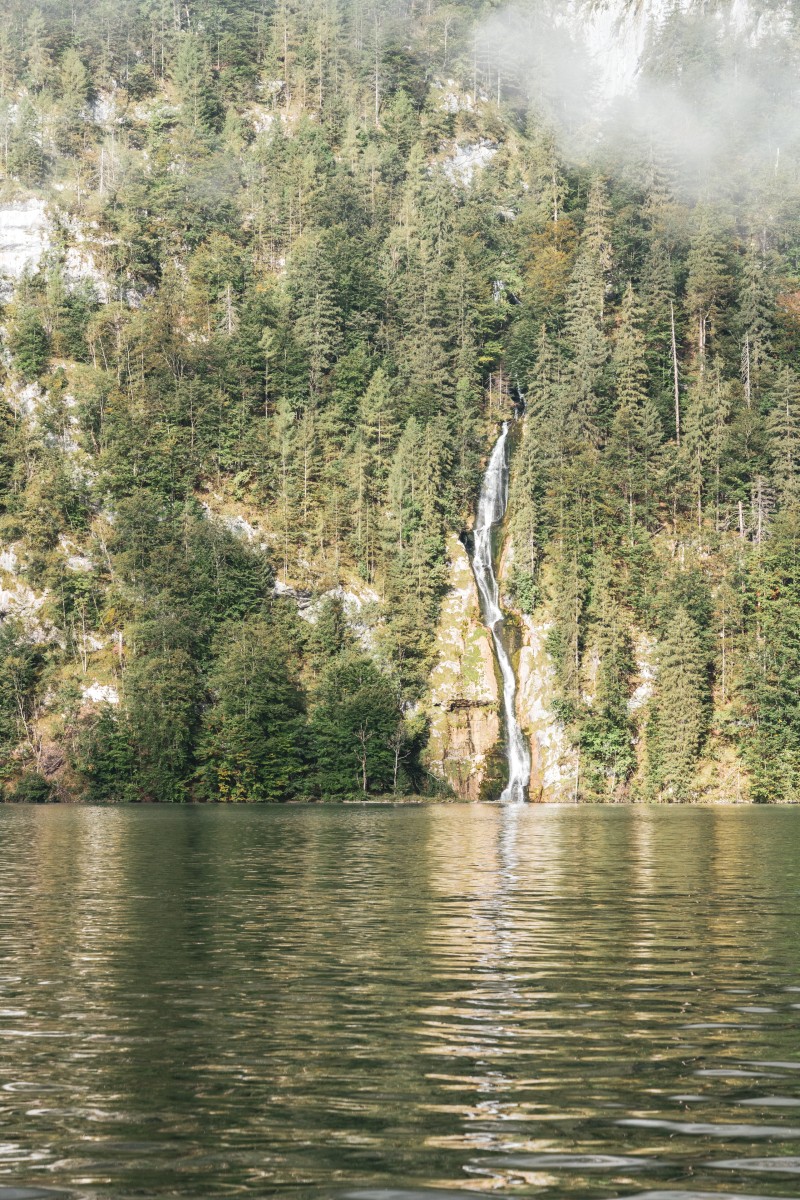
[(398, 1004)]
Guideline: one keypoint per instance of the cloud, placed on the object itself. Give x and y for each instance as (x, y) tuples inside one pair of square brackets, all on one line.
[(713, 89)]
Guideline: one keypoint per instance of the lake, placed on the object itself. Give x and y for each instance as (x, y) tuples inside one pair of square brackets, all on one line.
[(395, 1002)]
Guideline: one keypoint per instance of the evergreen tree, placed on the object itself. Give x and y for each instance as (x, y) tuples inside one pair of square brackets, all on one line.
[(606, 735), (783, 426), (708, 281), (37, 55), (354, 721), (680, 723), (249, 743), (193, 81), (635, 432), (755, 324)]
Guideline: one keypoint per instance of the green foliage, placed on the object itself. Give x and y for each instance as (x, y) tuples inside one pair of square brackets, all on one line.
[(29, 342), (21, 666), (771, 693), (357, 727), (32, 788), (307, 324), (104, 758), (681, 714), (250, 745)]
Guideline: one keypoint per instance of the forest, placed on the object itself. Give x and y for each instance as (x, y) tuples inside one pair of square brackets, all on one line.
[(303, 257)]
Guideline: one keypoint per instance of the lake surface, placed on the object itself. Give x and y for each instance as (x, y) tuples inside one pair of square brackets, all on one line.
[(383, 1003)]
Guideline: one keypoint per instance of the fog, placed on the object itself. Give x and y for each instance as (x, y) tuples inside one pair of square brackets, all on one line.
[(709, 90)]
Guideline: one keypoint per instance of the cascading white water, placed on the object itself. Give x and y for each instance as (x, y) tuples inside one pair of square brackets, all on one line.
[(491, 509)]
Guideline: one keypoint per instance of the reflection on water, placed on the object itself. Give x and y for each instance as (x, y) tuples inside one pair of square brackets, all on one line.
[(399, 1003)]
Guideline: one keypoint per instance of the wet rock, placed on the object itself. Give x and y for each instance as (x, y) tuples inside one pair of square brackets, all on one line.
[(463, 700)]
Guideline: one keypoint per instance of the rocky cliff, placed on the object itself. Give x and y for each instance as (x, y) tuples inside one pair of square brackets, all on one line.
[(465, 746), (463, 700)]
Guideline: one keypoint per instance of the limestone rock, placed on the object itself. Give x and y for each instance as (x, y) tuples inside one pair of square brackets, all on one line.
[(553, 761), (463, 702)]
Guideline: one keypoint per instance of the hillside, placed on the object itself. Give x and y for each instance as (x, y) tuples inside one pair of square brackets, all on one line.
[(272, 276)]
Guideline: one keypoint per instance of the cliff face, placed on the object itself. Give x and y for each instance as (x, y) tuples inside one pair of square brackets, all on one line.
[(463, 701), (553, 761)]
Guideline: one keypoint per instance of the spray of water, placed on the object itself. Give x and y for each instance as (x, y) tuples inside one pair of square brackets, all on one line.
[(491, 509)]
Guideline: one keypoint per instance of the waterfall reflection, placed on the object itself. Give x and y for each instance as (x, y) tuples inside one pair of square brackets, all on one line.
[(518, 1000)]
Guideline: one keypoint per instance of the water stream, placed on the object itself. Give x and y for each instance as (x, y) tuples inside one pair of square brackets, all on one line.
[(491, 510)]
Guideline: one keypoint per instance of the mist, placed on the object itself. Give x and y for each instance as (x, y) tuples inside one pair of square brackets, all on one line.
[(710, 93)]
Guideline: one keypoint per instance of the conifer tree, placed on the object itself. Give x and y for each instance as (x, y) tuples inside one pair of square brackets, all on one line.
[(783, 427), (596, 238), (192, 75), (37, 55), (606, 735), (657, 294), (586, 342), (25, 153), (770, 693), (524, 521), (680, 723), (249, 743), (635, 431), (707, 283), (755, 324)]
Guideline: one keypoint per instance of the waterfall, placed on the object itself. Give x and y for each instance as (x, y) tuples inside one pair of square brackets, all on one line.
[(491, 509)]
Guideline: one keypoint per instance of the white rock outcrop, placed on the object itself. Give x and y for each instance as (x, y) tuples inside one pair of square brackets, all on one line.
[(24, 238)]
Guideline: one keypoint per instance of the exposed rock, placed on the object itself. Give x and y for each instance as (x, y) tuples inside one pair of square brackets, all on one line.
[(100, 693), (9, 561), (74, 559), (239, 527), (21, 603), (461, 165), (360, 604), (302, 599), (24, 237), (553, 761), (51, 759), (452, 99), (644, 649), (463, 702)]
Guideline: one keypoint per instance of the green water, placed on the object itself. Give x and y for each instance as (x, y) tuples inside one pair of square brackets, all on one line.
[(337, 1002)]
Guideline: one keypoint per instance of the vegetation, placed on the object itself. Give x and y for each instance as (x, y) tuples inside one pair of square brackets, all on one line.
[(303, 258)]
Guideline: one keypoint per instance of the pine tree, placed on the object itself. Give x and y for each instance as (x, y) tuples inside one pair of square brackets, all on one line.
[(705, 435), (524, 521), (635, 431), (596, 238), (682, 700), (565, 639), (377, 418), (657, 295), (193, 80), (25, 154), (606, 734), (586, 342), (783, 426), (771, 693), (249, 743), (544, 173), (756, 306), (708, 281), (74, 80), (8, 62), (37, 56)]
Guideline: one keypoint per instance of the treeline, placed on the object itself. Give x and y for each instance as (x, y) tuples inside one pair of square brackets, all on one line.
[(303, 304)]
